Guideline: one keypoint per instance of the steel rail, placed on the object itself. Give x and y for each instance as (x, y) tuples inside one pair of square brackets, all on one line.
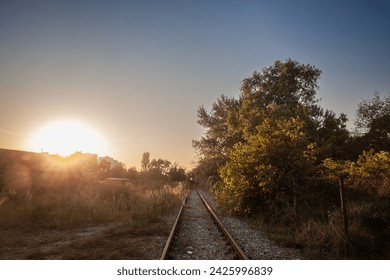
[(233, 243), (172, 233), (240, 253)]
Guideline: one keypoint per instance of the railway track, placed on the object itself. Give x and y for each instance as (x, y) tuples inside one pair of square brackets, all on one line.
[(199, 234)]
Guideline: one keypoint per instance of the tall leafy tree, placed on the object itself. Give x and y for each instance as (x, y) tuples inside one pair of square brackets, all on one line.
[(222, 132), (159, 166), (145, 161), (177, 173), (378, 137), (285, 89), (246, 145), (332, 136), (370, 110), (373, 124)]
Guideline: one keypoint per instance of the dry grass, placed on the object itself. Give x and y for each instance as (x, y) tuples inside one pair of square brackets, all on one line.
[(320, 234), (54, 208), (65, 202)]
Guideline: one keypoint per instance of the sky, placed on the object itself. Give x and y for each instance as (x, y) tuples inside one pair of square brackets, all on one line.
[(137, 71)]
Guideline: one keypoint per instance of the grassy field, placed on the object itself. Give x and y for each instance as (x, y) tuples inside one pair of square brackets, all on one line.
[(68, 214), (57, 206)]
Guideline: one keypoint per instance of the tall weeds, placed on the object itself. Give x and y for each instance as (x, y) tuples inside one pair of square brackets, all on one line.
[(65, 201)]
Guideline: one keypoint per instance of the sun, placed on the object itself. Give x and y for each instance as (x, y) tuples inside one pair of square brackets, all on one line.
[(65, 137)]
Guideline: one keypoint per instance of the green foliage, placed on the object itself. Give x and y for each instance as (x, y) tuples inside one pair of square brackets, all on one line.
[(221, 134), (332, 136), (264, 171), (378, 137), (335, 168), (262, 145), (372, 164), (283, 90), (371, 172), (158, 172), (372, 125), (370, 110), (274, 151), (368, 201)]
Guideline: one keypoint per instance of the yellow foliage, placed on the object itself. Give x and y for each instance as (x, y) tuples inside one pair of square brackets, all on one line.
[(371, 171), (272, 161)]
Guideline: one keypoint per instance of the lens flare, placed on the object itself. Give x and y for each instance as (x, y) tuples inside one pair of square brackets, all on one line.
[(66, 137)]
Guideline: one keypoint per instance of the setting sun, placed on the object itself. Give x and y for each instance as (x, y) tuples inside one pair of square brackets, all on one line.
[(66, 137)]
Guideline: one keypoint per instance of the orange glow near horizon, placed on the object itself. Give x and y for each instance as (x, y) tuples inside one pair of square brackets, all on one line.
[(66, 137)]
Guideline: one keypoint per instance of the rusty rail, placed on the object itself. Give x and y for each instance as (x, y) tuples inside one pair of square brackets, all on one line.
[(172, 233), (240, 253), (233, 243)]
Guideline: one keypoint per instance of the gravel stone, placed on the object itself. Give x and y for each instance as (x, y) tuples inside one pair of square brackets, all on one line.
[(197, 236), (254, 242)]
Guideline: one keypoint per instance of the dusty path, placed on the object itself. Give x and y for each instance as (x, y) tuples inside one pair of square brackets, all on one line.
[(111, 241)]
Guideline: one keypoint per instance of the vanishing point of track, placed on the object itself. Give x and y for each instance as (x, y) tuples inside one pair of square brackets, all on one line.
[(197, 233)]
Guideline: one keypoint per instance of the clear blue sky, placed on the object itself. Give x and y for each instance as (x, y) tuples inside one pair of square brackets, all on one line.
[(137, 71)]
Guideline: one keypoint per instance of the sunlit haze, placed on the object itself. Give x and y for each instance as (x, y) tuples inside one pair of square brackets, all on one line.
[(135, 72), (65, 137)]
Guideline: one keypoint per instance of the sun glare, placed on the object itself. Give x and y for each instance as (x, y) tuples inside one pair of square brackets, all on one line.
[(65, 138)]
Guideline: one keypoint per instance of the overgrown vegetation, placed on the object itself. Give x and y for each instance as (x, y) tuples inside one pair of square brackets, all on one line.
[(275, 155), (51, 192)]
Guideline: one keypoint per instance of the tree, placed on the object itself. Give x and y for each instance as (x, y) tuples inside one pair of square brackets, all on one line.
[(145, 161), (104, 168), (378, 137), (332, 136), (177, 173), (370, 172), (159, 166), (132, 174), (256, 148), (221, 132), (268, 169), (118, 171), (285, 89), (370, 110), (372, 126), (281, 91)]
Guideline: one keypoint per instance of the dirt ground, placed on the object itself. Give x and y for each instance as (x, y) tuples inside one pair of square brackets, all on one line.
[(105, 242)]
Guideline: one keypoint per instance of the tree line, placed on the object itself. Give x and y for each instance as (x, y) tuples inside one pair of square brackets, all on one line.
[(275, 134), (263, 150), (156, 171)]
